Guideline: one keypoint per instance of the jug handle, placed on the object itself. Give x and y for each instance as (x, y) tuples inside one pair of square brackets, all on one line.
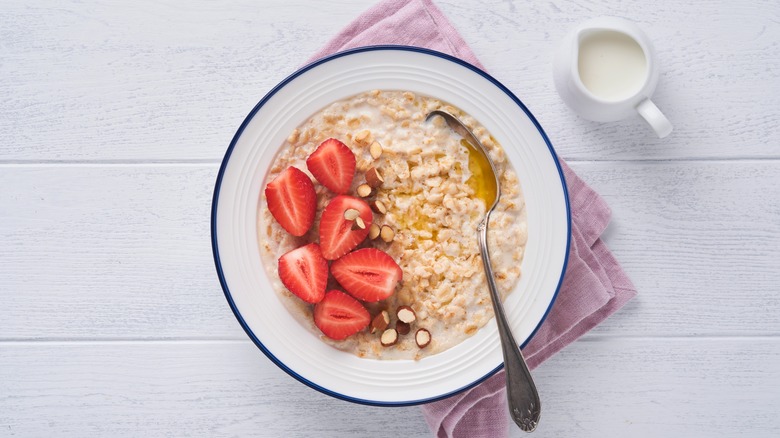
[(655, 118)]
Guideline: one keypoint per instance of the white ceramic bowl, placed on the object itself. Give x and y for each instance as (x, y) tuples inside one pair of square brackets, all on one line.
[(234, 216)]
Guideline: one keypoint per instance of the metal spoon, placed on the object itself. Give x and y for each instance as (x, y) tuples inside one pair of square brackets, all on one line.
[(524, 403)]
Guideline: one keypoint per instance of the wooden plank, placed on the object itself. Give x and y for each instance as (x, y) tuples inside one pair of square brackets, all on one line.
[(155, 81), (104, 81), (676, 387), (109, 251), (123, 251), (699, 241), (627, 387), (172, 389)]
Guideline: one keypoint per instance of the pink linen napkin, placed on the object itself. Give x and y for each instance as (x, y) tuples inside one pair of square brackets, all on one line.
[(594, 285)]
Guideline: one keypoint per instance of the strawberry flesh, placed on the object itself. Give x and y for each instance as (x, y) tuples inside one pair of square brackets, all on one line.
[(292, 201), (336, 234), (340, 316), (368, 274), (305, 272), (333, 164)]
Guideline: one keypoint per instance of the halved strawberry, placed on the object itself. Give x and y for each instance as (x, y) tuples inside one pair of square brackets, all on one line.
[(333, 164), (305, 272), (336, 234), (368, 274), (339, 315), (292, 200)]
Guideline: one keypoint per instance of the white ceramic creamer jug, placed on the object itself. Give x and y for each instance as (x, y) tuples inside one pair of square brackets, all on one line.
[(605, 71)]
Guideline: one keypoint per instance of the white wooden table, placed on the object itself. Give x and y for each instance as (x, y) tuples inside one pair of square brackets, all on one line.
[(113, 121)]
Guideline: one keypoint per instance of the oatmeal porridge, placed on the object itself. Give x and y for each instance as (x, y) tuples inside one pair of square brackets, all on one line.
[(424, 188)]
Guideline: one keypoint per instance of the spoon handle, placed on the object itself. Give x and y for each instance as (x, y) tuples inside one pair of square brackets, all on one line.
[(523, 399)]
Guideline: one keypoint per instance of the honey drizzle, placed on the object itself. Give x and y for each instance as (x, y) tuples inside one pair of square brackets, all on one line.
[(481, 180)]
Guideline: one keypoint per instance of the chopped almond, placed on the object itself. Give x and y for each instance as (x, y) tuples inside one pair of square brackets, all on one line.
[(406, 314), (351, 214), (403, 328), (422, 337), (373, 231), (362, 138), (378, 206), (389, 337), (387, 234), (358, 224), (376, 150), (364, 190), (380, 322), (374, 178)]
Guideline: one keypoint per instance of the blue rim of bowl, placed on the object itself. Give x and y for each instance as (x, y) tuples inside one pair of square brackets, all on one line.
[(218, 184)]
